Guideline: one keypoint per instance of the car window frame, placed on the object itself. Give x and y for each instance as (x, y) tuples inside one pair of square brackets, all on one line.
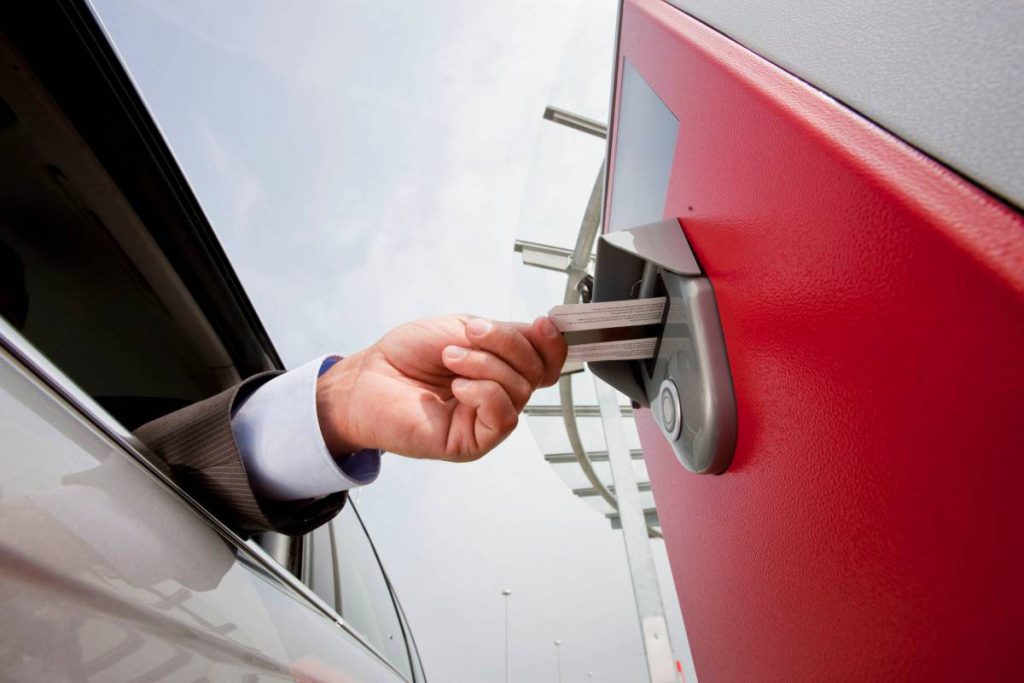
[(42, 370), (399, 614), (418, 672), (415, 662)]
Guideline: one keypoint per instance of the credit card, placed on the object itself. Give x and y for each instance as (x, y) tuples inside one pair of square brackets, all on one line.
[(610, 330)]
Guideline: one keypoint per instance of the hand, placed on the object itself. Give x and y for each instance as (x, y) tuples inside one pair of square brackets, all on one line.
[(448, 388)]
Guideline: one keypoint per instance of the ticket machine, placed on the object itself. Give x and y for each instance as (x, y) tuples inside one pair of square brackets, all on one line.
[(834, 424)]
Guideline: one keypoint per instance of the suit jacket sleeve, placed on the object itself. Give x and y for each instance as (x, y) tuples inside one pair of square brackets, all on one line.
[(198, 447)]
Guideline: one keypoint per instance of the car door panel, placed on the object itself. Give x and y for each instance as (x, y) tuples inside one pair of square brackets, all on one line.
[(872, 304), (107, 574)]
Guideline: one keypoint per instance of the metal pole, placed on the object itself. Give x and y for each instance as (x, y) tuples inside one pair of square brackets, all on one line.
[(577, 122), (508, 660), (558, 659), (660, 661), (577, 271)]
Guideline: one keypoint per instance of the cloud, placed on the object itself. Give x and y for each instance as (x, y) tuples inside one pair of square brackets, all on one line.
[(242, 185)]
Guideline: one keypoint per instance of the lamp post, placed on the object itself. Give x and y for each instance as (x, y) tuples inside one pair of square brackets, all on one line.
[(508, 662), (558, 659)]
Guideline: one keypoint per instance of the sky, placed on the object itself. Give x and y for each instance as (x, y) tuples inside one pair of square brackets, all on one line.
[(369, 163)]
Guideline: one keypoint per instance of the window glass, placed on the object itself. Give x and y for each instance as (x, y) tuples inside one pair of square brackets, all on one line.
[(319, 563), (365, 600), (414, 652), (80, 275)]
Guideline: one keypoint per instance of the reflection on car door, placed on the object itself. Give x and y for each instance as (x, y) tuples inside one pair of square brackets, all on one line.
[(107, 573)]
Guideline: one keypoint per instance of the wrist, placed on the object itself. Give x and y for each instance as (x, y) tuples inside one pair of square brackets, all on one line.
[(334, 407)]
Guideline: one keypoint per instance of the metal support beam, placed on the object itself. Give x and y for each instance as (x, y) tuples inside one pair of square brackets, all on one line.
[(650, 516), (576, 122), (581, 258), (587, 492), (595, 456), (660, 660), (580, 411), (544, 255)]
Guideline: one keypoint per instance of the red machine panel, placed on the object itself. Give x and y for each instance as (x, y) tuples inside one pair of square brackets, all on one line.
[(872, 303)]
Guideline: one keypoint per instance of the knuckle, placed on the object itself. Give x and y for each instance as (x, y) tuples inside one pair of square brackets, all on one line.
[(476, 360), (483, 364), (535, 370), (509, 420), (493, 391), (554, 375), (523, 387), (496, 337)]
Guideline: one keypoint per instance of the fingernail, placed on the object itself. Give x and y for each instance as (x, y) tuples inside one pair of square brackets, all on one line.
[(548, 328), (479, 326), (459, 383), (454, 352)]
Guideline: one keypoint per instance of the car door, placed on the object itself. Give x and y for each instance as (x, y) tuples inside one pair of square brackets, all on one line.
[(871, 302), (112, 573), (117, 306), (341, 565)]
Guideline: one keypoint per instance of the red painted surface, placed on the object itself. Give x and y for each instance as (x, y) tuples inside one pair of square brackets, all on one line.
[(870, 526)]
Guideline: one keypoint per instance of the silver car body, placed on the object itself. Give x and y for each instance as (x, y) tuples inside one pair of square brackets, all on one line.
[(108, 570)]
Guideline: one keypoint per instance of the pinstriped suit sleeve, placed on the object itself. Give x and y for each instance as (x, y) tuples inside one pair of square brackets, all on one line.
[(198, 446)]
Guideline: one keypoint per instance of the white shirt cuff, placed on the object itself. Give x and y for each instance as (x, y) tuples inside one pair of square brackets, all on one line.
[(278, 435)]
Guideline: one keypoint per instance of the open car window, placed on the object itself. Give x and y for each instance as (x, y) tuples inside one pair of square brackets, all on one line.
[(82, 276), (82, 279)]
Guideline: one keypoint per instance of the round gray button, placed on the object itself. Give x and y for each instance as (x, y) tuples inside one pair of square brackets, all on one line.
[(669, 409)]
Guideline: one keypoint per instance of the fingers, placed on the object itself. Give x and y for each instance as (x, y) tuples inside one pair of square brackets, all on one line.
[(546, 338), (475, 364), (537, 351), (494, 415), (510, 344)]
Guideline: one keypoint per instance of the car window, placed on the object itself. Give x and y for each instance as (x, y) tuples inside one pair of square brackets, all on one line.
[(82, 278), (318, 564), (414, 652), (360, 592)]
